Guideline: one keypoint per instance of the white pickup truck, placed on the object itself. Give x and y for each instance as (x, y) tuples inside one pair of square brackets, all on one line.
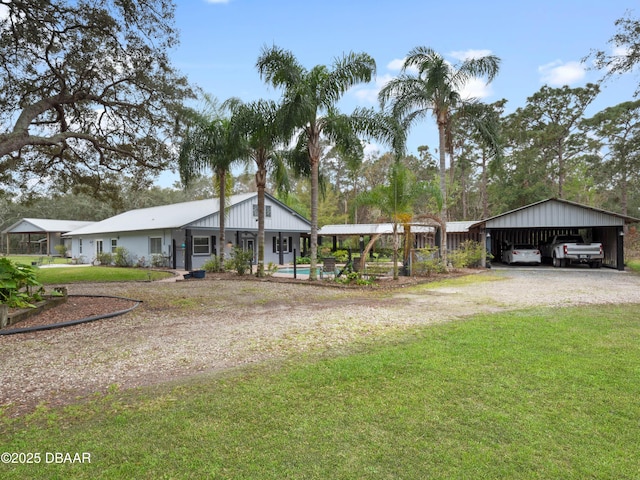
[(563, 250)]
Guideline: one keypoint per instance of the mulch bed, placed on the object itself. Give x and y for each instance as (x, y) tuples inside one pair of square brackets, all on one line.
[(76, 308)]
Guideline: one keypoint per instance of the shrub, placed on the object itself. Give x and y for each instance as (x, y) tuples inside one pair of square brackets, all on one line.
[(16, 282), (271, 268), (468, 255), (105, 258), (240, 260), (212, 265), (61, 249), (354, 278), (341, 255), (157, 260), (428, 262), (122, 258)]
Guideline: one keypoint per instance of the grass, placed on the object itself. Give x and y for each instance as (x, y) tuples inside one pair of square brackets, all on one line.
[(536, 394), (62, 275), (634, 265), (28, 259)]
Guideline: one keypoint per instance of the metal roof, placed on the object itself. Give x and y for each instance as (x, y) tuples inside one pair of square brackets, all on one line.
[(369, 229), (41, 225), (555, 213), (166, 217)]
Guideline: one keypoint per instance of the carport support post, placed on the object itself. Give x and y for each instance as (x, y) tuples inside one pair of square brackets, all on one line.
[(620, 248), (487, 246)]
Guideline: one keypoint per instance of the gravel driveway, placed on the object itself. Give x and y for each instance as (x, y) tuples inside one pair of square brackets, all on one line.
[(189, 327)]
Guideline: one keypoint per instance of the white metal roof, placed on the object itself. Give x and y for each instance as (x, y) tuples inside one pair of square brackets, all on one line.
[(41, 225), (369, 229), (172, 216), (459, 227)]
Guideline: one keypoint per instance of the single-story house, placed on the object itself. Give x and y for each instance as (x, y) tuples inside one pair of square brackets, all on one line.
[(41, 236), (185, 235)]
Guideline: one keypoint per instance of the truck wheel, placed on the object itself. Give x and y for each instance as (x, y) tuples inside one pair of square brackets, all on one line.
[(556, 262)]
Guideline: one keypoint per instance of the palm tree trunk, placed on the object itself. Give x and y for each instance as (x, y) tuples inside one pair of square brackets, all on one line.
[(395, 250), (483, 186), (222, 178), (443, 187), (314, 157), (261, 181)]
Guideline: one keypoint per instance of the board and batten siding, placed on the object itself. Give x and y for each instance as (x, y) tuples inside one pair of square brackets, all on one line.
[(240, 217)]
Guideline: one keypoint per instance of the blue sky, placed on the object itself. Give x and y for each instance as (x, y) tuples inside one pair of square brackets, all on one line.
[(539, 42)]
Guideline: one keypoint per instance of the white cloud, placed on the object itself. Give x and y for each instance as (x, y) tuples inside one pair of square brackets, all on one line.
[(558, 74), (463, 55), (369, 94), (476, 88), (396, 64)]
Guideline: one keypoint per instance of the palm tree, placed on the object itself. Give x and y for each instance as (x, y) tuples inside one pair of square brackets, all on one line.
[(309, 103), (210, 143), (259, 123), (396, 202), (434, 89)]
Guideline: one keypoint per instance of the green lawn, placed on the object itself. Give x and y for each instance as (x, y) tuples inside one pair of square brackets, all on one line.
[(634, 265), (27, 259), (537, 394), (63, 275)]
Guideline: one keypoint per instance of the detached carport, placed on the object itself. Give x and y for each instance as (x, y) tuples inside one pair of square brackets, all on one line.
[(40, 235), (534, 223)]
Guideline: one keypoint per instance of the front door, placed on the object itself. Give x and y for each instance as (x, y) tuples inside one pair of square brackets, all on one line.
[(249, 246)]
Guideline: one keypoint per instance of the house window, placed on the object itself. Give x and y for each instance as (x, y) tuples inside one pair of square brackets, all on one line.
[(287, 244), (155, 245), (201, 246), (114, 245), (267, 211), (80, 246)]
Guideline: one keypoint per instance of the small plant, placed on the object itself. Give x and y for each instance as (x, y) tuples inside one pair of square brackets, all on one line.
[(16, 282), (62, 250), (271, 268), (428, 262), (341, 255), (468, 255), (303, 260), (122, 258), (241, 260), (157, 260), (354, 278), (212, 265), (104, 258)]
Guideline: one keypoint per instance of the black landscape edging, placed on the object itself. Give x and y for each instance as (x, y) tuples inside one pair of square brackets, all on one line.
[(75, 322)]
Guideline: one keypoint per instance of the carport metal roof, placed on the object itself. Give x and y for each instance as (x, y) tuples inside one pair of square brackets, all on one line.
[(555, 213)]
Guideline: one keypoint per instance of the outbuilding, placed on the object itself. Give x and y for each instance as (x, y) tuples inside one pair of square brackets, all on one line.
[(534, 224), (40, 236)]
